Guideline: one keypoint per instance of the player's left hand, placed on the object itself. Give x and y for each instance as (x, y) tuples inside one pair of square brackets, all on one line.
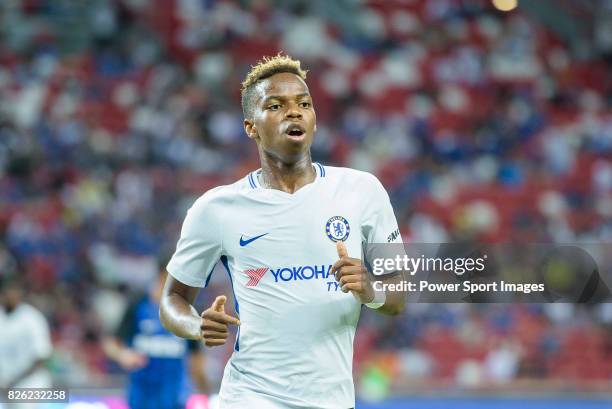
[(352, 275)]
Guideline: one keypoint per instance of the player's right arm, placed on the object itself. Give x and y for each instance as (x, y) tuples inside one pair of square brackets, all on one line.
[(197, 252), (179, 316)]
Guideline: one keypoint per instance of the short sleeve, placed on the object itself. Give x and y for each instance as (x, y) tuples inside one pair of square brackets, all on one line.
[(199, 247), (379, 224)]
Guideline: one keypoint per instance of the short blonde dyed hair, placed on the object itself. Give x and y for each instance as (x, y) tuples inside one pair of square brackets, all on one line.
[(265, 68)]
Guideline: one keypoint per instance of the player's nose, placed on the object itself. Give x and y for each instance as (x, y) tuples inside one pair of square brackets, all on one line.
[(293, 112)]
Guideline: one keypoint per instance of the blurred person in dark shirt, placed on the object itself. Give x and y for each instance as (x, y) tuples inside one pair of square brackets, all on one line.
[(163, 369)]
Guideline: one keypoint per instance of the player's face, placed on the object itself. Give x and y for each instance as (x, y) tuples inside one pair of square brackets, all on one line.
[(11, 297), (284, 121)]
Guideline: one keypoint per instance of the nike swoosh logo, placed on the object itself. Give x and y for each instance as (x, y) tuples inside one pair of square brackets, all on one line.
[(244, 242)]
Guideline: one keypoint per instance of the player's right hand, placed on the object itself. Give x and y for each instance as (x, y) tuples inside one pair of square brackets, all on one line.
[(213, 326)]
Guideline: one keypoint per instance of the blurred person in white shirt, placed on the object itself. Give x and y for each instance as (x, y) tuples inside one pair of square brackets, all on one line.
[(25, 340)]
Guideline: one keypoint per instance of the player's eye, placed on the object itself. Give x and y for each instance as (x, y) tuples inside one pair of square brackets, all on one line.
[(305, 104), (274, 107)]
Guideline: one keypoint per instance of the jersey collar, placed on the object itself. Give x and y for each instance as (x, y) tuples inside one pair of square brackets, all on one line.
[(253, 177)]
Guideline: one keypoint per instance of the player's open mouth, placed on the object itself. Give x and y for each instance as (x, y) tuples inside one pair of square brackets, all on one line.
[(295, 132)]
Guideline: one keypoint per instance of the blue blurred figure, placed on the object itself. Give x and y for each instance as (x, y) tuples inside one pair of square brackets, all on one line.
[(160, 364)]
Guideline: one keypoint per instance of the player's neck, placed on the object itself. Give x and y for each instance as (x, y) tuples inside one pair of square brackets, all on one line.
[(287, 177)]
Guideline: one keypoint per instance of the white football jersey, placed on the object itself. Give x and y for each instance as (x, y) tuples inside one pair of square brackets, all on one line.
[(294, 348), (24, 339)]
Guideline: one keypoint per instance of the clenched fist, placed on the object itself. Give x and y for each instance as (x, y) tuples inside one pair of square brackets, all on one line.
[(213, 328)]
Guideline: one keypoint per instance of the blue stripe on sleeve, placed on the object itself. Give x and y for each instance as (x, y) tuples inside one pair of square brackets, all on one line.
[(236, 306)]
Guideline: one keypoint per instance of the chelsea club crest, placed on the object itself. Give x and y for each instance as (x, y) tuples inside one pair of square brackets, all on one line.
[(337, 228)]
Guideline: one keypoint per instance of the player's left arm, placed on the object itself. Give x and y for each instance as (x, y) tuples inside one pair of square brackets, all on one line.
[(353, 276)]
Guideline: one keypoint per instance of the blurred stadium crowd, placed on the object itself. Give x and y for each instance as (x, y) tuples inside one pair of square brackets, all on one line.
[(116, 114)]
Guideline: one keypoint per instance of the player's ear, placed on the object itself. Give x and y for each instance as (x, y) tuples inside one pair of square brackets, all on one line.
[(250, 129)]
